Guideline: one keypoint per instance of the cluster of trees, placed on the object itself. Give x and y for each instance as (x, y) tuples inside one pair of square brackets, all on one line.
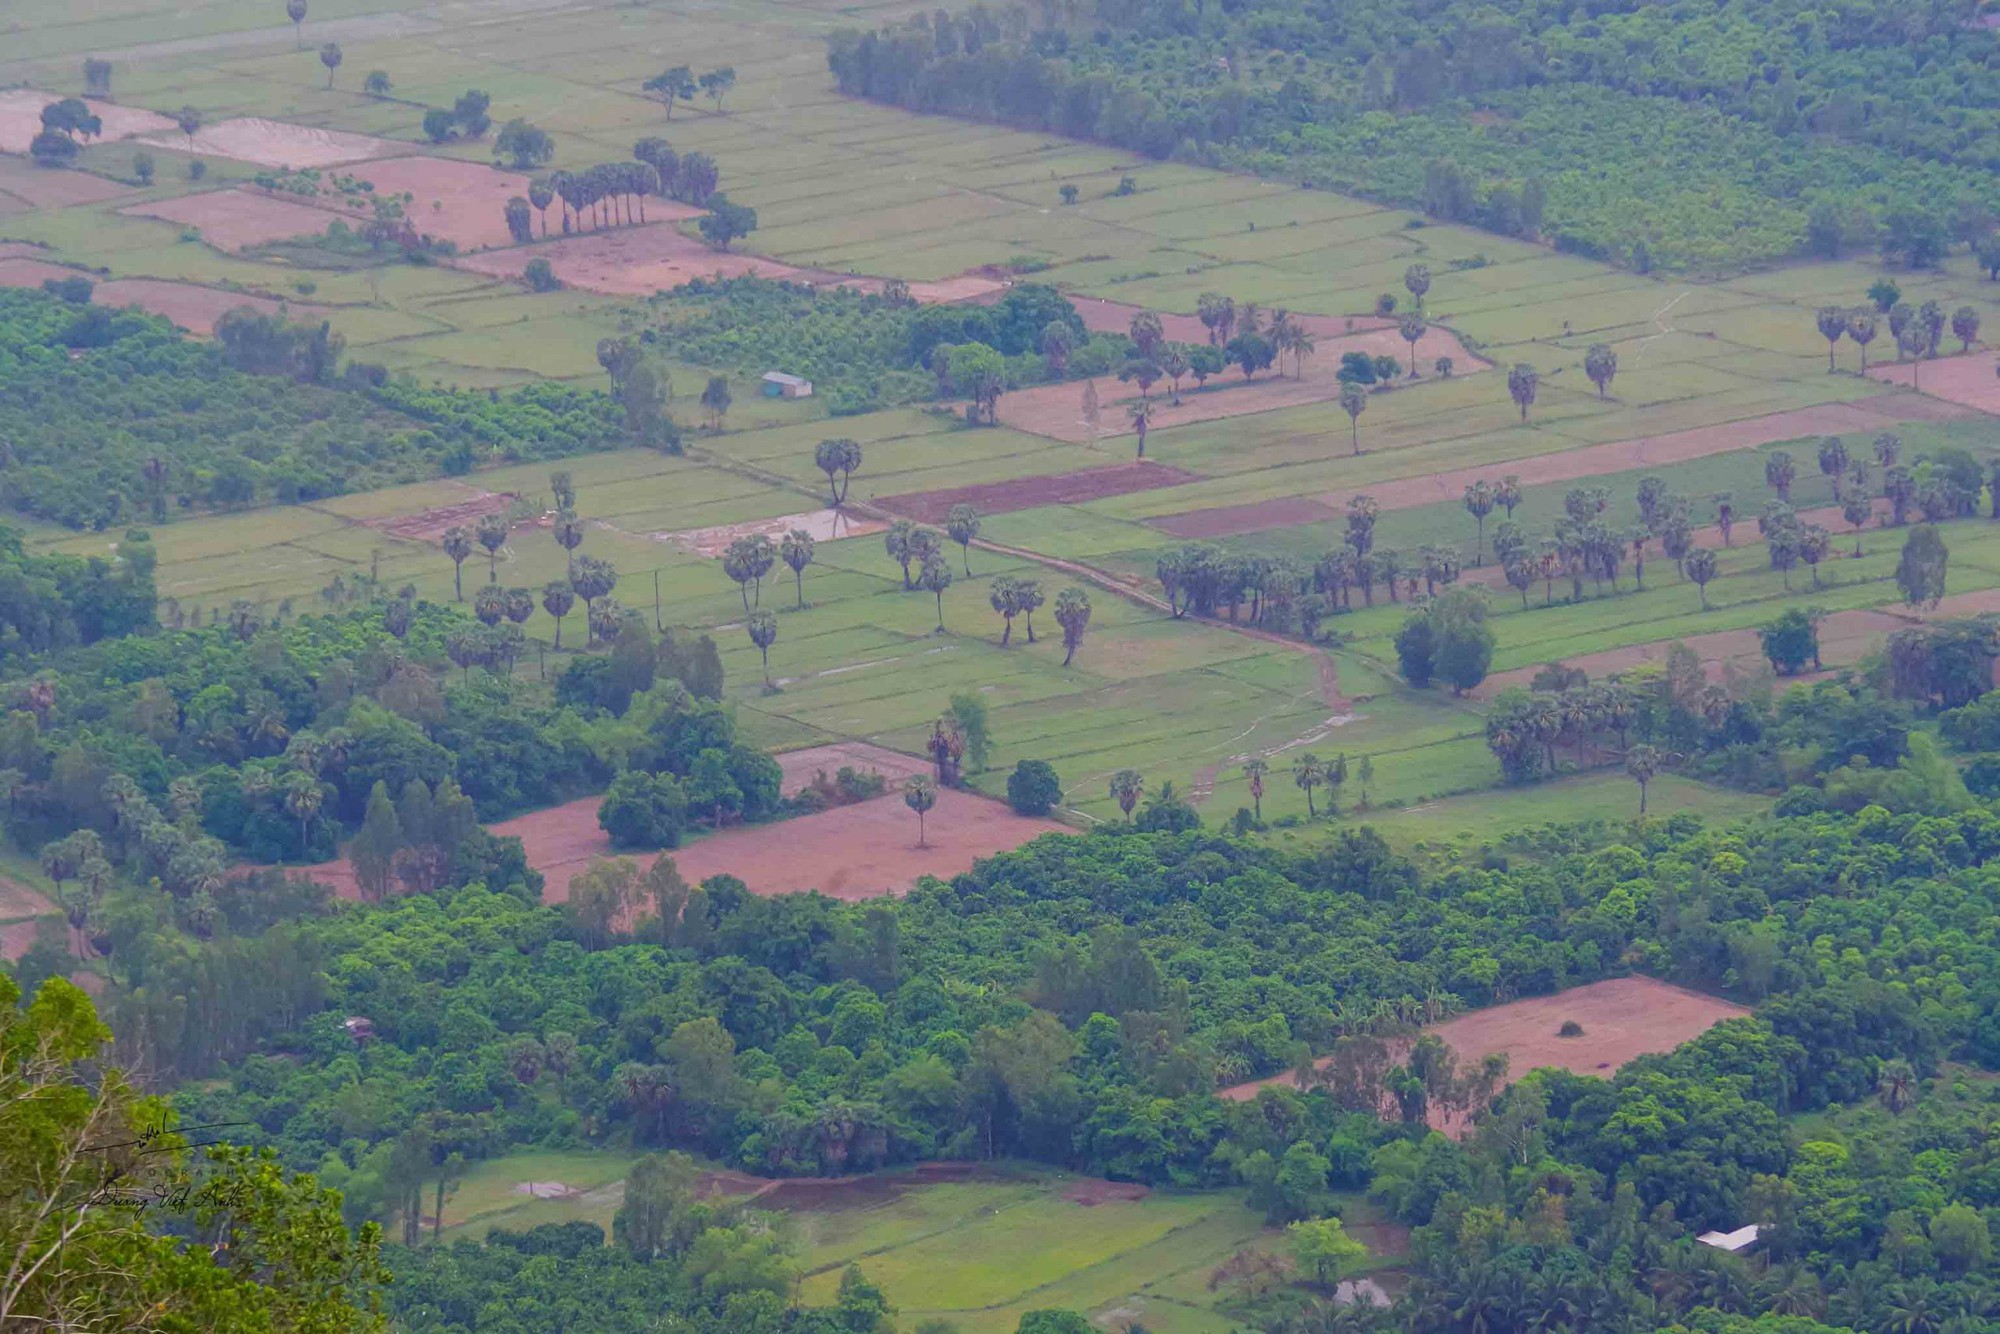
[(1755, 147), (680, 84), (864, 350), (598, 194), (145, 422), (688, 770), (1916, 331), (64, 123), (469, 118), (801, 1035)]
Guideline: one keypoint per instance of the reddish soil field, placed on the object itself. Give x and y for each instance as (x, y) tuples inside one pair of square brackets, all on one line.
[(430, 525), (1623, 1018), (824, 525), (1867, 414), (635, 261), (16, 937), (275, 143), (19, 900), (39, 187), (461, 201), (233, 219), (850, 852), (1056, 410), (195, 309), (21, 119), (1023, 493), (964, 287), (1967, 380)]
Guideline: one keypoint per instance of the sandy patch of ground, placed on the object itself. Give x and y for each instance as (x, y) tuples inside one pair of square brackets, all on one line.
[(823, 525), (851, 852), (276, 143), (802, 766), (1867, 414), (963, 287), (1022, 493), (21, 119), (1967, 380), (546, 1190), (1093, 1191), (1056, 410), (19, 900), (1622, 1018), (193, 308), (430, 525), (40, 187), (234, 219), (459, 201), (636, 261)]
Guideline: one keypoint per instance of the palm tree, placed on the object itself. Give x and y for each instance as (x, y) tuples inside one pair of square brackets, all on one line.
[(920, 794), (1354, 399), (1642, 762), (763, 627), (568, 533), (1126, 787), (492, 534), (1254, 770), (1073, 615), (1309, 773), (796, 550), (557, 600), (1896, 1084), (458, 546), (1142, 417)]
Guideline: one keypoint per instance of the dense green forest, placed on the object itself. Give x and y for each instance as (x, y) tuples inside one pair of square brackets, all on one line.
[(1687, 133), (112, 417)]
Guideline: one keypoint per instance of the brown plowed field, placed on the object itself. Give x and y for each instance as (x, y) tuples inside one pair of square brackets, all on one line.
[(1257, 517), (1867, 414), (1622, 1018), (234, 219), (1056, 410), (636, 261), (430, 525), (1967, 380), (38, 187), (1023, 493), (854, 852), (195, 309), (463, 201), (21, 119), (275, 143)]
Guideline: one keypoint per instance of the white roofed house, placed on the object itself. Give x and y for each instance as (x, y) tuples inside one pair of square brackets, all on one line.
[(777, 384)]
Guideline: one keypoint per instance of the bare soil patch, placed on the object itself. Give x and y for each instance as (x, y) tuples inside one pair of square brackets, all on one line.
[(963, 287), (1022, 493), (1867, 414), (1967, 379), (193, 308), (802, 766), (1056, 410), (546, 1190), (459, 201), (233, 220), (1093, 1191), (636, 261), (276, 143), (19, 900), (21, 118), (852, 853), (824, 525), (1622, 1018), (39, 187), (16, 938), (431, 525)]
